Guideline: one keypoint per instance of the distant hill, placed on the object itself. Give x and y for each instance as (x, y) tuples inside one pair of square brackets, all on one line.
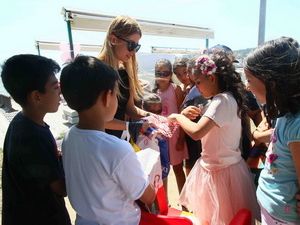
[(241, 54)]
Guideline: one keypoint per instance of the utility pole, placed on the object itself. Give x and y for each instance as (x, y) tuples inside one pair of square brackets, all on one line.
[(262, 22)]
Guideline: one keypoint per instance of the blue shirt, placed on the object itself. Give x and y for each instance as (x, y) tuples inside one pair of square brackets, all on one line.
[(278, 183)]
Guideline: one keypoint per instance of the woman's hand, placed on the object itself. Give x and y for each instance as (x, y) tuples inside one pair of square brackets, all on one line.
[(191, 112)]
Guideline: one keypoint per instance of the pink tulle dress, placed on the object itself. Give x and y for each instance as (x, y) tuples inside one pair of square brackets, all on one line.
[(220, 182)]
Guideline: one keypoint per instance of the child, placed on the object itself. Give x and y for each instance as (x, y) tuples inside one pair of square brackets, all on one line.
[(171, 96), (273, 74), (152, 103), (194, 98), (220, 183), (33, 184), (180, 70), (103, 175)]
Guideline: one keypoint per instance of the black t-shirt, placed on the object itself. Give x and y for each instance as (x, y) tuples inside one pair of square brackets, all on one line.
[(123, 100), (30, 164)]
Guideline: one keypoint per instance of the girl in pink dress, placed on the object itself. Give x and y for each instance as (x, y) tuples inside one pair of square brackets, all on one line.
[(220, 183), (171, 97)]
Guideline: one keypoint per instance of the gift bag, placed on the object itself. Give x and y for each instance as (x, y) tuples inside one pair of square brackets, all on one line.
[(156, 143), (144, 142), (150, 161)]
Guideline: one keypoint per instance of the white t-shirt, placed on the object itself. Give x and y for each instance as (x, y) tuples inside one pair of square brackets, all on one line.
[(103, 177), (220, 146)]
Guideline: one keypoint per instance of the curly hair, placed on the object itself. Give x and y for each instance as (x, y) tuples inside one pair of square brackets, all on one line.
[(276, 63), (229, 79)]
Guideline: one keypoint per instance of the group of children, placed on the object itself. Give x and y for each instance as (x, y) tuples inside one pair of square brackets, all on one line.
[(101, 173)]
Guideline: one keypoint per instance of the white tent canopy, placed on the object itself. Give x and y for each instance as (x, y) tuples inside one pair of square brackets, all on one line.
[(88, 21), (56, 46)]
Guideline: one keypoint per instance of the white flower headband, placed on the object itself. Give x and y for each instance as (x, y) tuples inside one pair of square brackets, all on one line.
[(206, 65)]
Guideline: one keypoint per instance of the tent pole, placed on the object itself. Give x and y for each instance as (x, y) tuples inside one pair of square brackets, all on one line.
[(206, 43), (68, 19), (37, 45)]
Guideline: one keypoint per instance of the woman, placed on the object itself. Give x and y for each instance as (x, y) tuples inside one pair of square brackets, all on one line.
[(119, 49)]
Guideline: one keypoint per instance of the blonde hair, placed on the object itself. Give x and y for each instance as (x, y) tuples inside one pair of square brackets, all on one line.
[(123, 26)]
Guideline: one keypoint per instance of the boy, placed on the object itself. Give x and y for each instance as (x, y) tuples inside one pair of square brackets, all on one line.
[(33, 184), (103, 175)]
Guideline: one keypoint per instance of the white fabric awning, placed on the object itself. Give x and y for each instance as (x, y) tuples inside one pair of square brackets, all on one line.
[(55, 46), (88, 21)]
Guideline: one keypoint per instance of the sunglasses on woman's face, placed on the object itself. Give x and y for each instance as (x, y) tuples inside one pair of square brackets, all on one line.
[(162, 73), (131, 45)]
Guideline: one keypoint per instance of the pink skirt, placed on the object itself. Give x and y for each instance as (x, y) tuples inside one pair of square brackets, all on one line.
[(216, 196)]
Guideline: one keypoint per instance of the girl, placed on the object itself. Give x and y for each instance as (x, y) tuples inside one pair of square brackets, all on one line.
[(118, 51), (171, 97), (180, 70), (273, 74), (219, 183)]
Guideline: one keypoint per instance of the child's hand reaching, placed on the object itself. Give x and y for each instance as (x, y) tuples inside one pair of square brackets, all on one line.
[(191, 112), (173, 117)]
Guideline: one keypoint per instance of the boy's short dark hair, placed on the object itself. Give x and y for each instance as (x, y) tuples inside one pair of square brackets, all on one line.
[(84, 79), (22, 74)]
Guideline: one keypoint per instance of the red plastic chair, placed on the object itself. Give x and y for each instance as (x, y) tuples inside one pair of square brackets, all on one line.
[(162, 203), (152, 219), (242, 217), (166, 216)]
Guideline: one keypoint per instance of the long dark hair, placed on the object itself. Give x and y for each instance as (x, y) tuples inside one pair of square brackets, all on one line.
[(229, 79), (277, 64)]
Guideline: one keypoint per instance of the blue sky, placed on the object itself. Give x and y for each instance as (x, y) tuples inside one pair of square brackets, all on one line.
[(235, 22)]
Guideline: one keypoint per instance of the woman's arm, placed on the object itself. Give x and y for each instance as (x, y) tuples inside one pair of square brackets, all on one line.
[(133, 111), (195, 130)]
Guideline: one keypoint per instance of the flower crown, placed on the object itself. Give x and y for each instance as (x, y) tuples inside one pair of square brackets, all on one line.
[(206, 65)]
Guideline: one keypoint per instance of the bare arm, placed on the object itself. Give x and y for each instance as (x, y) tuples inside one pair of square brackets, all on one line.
[(195, 130), (262, 136), (262, 133), (148, 196), (59, 187), (133, 111)]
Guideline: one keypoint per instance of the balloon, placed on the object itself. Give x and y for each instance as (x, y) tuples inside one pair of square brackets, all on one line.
[(66, 53)]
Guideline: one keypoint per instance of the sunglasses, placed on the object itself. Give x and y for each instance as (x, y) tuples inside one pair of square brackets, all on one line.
[(131, 45), (163, 73)]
